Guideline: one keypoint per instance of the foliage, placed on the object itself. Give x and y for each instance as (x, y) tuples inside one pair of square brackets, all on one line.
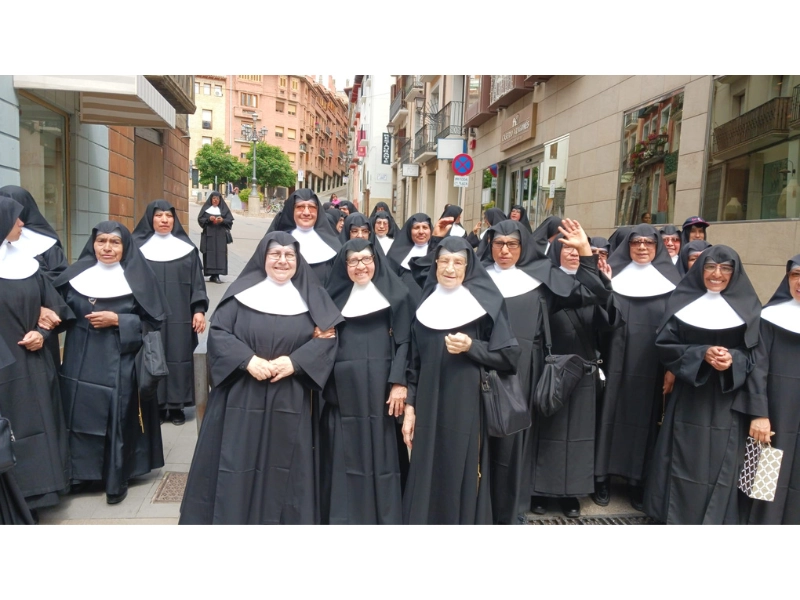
[(244, 195), (215, 160), (272, 166)]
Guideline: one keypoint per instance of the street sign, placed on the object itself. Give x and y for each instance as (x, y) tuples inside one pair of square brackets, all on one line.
[(300, 175), (410, 170), (462, 164), (461, 181)]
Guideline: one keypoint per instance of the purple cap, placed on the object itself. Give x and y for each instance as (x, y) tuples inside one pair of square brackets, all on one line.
[(694, 221)]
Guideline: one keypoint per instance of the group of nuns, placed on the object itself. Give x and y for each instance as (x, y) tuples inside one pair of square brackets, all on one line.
[(85, 418)]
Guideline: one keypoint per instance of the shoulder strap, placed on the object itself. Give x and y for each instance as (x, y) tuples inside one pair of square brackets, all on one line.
[(548, 340), (581, 332)]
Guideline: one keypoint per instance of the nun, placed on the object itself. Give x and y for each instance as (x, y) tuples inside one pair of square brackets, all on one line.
[(689, 253), (319, 243), (114, 431), (564, 444), (335, 218), (176, 264), (460, 327), (356, 226), (644, 277), (384, 226), (620, 233), (454, 212), (707, 338), (671, 236), (29, 395), (216, 220), (526, 279), (545, 233), (364, 465), (347, 207), (491, 217), (601, 248), (413, 240), (518, 213), (775, 380), (271, 344)]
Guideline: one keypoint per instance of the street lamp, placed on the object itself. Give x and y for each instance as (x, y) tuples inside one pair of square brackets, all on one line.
[(252, 135), (390, 128)]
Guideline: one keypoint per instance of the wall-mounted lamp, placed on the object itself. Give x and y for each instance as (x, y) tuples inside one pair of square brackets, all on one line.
[(419, 103), (390, 128), (788, 171)]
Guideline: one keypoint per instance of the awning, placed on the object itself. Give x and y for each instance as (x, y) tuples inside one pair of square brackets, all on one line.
[(125, 100)]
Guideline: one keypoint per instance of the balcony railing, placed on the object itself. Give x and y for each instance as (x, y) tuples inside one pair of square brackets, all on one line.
[(754, 129), (397, 104), (413, 87), (404, 152), (424, 141), (506, 89), (450, 120), (399, 143), (322, 152), (303, 148), (328, 132), (795, 123)]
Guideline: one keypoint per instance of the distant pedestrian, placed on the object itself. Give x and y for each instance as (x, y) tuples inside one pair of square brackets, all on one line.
[(216, 220)]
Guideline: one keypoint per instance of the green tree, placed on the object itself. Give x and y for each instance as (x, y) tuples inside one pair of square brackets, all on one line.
[(215, 160), (273, 167)]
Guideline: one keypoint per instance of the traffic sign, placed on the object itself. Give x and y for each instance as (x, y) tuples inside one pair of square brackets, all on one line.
[(462, 164), (461, 181)]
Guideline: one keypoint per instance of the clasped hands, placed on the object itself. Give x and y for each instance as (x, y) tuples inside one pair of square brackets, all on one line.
[(719, 358), (274, 370)]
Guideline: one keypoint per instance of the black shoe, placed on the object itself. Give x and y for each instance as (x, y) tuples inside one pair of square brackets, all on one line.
[(538, 505), (162, 415), (602, 493), (117, 498), (571, 507), (636, 495), (176, 416)]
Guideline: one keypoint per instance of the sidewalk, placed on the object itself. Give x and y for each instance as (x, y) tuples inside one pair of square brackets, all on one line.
[(149, 501)]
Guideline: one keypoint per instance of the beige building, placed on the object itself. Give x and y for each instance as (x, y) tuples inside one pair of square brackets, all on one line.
[(605, 149), (208, 121)]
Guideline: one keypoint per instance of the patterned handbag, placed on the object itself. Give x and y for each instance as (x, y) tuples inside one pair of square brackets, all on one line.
[(762, 466)]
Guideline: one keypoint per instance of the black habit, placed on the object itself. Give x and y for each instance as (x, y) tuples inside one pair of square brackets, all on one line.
[(364, 463), (257, 455), (181, 281), (214, 239)]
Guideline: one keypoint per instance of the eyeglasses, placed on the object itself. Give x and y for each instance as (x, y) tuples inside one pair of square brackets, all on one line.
[(512, 245), (458, 263), (640, 241), (724, 269), (601, 253), (312, 206), (366, 260), (671, 238), (276, 256)]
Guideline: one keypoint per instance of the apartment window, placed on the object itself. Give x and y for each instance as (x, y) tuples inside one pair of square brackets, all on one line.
[(551, 174), (292, 109), (250, 77), (206, 141), (292, 134), (243, 155), (279, 132), (218, 91), (196, 89), (206, 89), (250, 100), (554, 150), (282, 82), (279, 106), (295, 85), (206, 119), (292, 157)]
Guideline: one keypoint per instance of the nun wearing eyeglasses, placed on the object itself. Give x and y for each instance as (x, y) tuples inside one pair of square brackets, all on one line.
[(364, 463), (356, 226), (644, 277), (114, 431), (384, 226), (271, 347), (460, 326), (775, 380), (707, 338), (525, 278)]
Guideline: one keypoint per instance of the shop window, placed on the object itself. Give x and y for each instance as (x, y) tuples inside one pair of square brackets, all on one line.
[(649, 162), (43, 139), (754, 149)]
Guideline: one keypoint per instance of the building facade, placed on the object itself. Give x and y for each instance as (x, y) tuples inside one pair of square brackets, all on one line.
[(605, 149), (93, 148), (209, 120)]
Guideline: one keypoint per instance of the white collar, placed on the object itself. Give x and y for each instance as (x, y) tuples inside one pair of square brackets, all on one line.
[(785, 315), (512, 281), (547, 247), (457, 230), (33, 243), (483, 233), (641, 281), (102, 281), (273, 298), (675, 259), (710, 311), (385, 242), (165, 247), (364, 300), (447, 309), (568, 271), (213, 210), (417, 250), (312, 246), (16, 263)]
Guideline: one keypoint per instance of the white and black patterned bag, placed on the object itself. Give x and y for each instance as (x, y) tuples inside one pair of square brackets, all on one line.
[(762, 465)]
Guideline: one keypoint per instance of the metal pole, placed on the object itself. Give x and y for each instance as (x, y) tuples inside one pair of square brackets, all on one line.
[(253, 202)]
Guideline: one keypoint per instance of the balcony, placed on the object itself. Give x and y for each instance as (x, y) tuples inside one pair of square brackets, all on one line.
[(404, 153), (322, 153), (328, 132), (478, 111), (795, 122), (505, 90), (330, 153), (450, 120), (303, 148), (412, 88), (178, 90), (398, 109), (531, 80), (425, 144), (400, 144), (763, 126)]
